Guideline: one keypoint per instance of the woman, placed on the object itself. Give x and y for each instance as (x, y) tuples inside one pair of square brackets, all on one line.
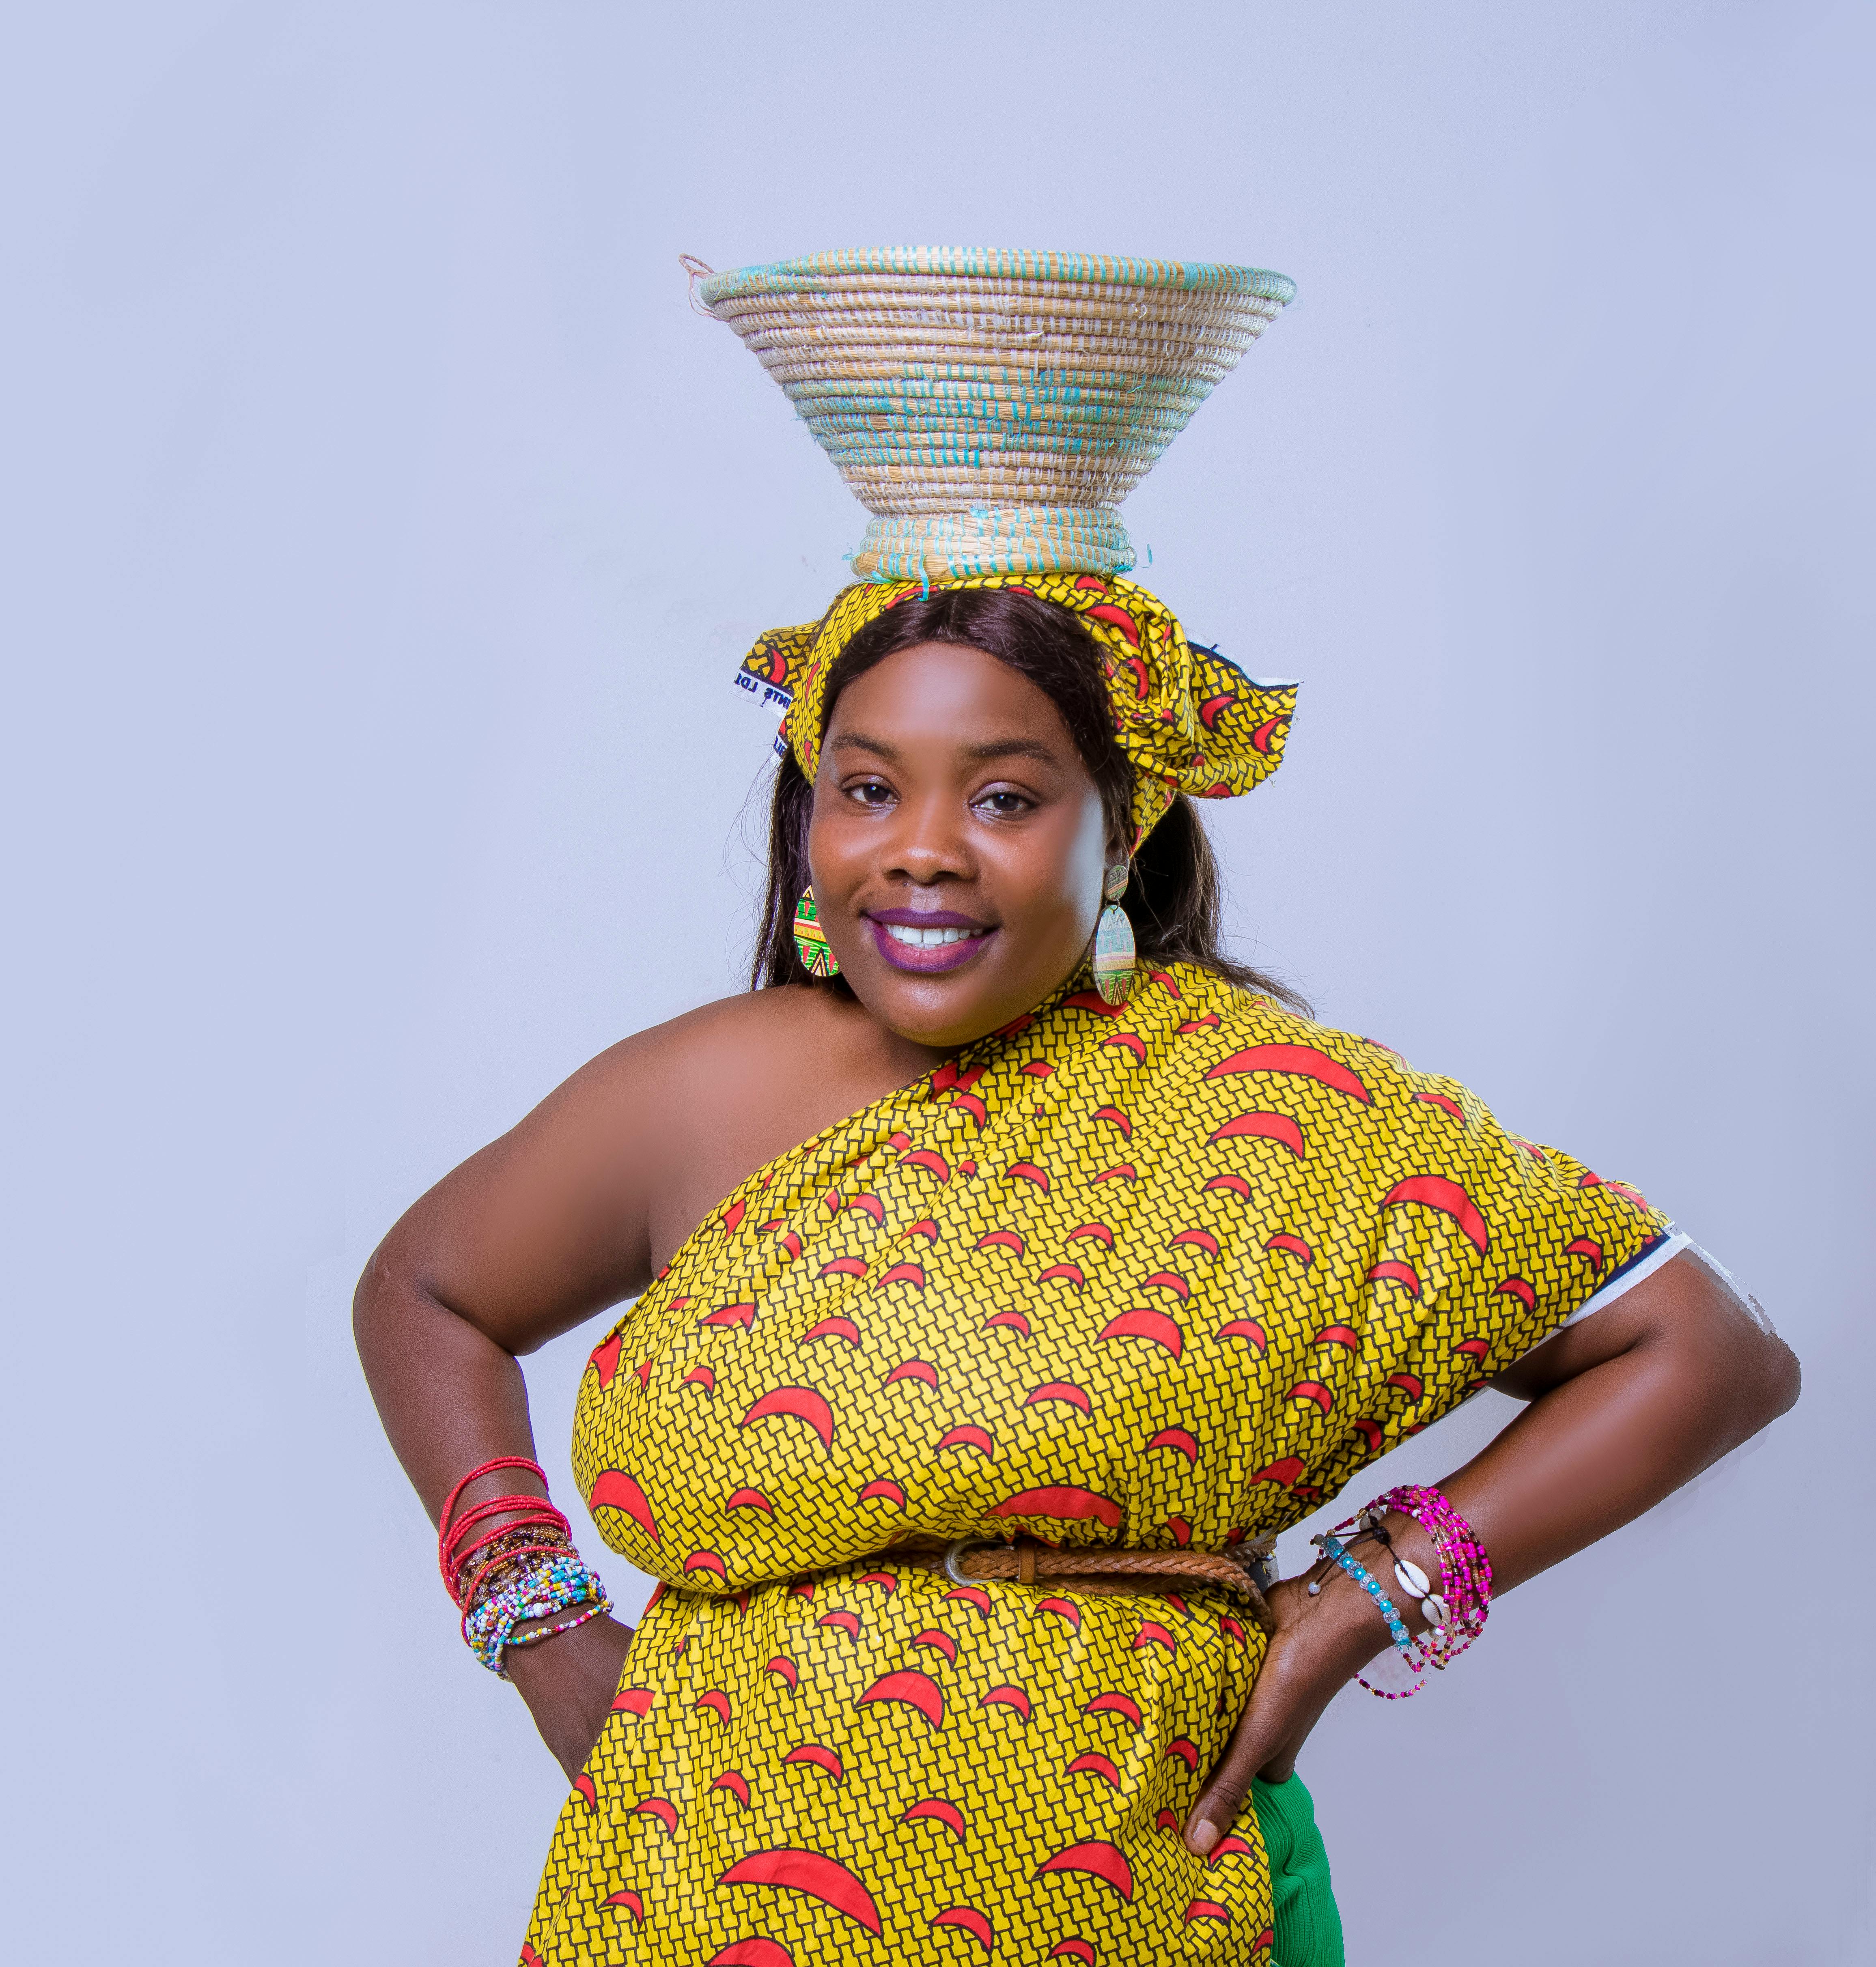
[(985, 1317)]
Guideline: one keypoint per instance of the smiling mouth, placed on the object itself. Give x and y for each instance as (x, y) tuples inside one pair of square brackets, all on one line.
[(927, 949), (929, 938)]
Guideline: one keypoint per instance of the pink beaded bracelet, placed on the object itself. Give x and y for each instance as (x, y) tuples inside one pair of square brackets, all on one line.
[(1456, 1608)]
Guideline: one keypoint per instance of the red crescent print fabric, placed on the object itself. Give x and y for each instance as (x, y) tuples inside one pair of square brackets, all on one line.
[(1189, 721), (1059, 1286)]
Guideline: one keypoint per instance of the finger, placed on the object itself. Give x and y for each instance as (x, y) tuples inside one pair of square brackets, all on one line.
[(1287, 1701), (1261, 1734), (1282, 1765)]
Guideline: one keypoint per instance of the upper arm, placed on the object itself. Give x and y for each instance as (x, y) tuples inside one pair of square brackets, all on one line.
[(1688, 1304), (549, 1224), (574, 1208)]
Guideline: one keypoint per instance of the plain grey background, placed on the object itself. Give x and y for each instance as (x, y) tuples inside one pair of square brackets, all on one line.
[(381, 529)]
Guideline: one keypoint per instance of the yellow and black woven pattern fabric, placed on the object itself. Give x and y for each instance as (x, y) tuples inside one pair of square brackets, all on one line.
[(1162, 1275), (1188, 721)]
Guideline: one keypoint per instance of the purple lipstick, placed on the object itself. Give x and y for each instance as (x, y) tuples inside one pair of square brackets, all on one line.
[(927, 940)]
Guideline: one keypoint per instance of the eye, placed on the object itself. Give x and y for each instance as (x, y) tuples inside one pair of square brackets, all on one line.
[(1003, 804), (870, 792)]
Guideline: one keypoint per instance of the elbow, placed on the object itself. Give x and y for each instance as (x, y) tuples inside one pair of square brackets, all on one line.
[(368, 1300), (1766, 1385), (395, 1307), (1784, 1379), (389, 1305)]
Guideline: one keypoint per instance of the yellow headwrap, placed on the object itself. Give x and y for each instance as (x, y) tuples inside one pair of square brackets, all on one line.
[(1188, 720)]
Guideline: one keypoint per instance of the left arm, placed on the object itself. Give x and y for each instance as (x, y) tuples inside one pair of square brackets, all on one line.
[(1624, 1408)]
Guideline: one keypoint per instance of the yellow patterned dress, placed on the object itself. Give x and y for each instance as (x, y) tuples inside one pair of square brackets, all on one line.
[(1161, 1277)]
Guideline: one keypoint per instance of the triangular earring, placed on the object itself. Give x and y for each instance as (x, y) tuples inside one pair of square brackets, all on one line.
[(1114, 940)]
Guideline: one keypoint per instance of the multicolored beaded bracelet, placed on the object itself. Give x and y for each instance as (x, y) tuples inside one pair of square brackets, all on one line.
[(539, 1589), (524, 1567), (1332, 1549), (1465, 1590), (586, 1609)]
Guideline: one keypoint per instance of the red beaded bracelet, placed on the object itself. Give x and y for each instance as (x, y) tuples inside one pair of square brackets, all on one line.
[(530, 1513)]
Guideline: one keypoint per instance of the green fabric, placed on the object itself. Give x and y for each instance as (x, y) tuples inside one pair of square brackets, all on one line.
[(1308, 1927)]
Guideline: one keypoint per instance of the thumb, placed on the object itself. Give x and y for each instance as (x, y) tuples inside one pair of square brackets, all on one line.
[(1260, 1740)]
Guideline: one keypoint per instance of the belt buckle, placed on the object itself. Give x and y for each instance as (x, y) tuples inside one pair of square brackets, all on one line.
[(954, 1558)]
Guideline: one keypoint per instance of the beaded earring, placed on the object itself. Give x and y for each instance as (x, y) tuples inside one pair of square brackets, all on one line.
[(811, 939), (1114, 940)]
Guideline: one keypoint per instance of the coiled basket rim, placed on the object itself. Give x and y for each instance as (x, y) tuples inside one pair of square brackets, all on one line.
[(825, 271)]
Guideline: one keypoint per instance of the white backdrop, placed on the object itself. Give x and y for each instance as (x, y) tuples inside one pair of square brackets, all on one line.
[(381, 529)]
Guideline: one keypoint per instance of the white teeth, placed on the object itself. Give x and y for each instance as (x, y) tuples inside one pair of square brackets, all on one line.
[(928, 938)]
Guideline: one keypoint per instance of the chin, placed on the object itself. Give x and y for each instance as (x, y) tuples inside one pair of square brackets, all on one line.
[(929, 1013), (945, 1012)]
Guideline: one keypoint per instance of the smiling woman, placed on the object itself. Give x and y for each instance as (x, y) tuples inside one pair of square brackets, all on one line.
[(974, 734), (995, 1301), (949, 780)]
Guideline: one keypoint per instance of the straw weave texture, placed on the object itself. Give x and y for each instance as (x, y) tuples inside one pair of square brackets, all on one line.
[(991, 409)]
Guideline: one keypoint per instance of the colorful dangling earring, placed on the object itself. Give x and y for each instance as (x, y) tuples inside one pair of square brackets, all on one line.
[(1114, 940), (811, 939)]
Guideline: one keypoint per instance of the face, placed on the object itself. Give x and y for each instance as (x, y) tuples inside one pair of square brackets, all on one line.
[(957, 845)]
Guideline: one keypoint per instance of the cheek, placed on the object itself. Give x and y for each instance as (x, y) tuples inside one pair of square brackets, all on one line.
[(832, 852), (1061, 875)]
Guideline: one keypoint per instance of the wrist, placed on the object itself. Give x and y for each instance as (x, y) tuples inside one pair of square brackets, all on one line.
[(596, 1644), (543, 1627), (1353, 1629), (536, 1651), (1405, 1543)]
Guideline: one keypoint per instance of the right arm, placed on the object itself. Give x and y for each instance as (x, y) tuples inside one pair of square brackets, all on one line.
[(539, 1231), (570, 1213)]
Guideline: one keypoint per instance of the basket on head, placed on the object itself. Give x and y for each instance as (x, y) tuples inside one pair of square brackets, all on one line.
[(991, 409)]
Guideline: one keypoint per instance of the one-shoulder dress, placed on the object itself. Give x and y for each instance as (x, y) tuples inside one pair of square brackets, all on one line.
[(1161, 1277)]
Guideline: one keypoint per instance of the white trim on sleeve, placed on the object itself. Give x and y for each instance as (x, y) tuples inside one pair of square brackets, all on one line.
[(1672, 1243)]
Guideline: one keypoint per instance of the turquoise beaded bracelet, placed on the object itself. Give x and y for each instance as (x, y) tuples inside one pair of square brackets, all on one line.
[(1331, 1547)]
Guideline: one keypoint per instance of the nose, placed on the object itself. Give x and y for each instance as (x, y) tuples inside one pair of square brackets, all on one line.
[(928, 843)]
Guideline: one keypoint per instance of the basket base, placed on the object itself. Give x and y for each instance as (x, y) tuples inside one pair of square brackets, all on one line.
[(993, 539)]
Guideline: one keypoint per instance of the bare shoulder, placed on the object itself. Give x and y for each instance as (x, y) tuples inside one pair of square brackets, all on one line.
[(769, 1034), (788, 1014), (701, 1102), (579, 1204)]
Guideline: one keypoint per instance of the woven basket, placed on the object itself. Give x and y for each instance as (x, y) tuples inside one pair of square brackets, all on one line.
[(991, 409)]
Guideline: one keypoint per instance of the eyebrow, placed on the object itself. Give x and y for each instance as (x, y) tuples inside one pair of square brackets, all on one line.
[(1016, 747), (858, 740), (995, 747)]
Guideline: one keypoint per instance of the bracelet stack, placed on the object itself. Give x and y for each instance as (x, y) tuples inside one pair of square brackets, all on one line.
[(1455, 1610), (524, 1568)]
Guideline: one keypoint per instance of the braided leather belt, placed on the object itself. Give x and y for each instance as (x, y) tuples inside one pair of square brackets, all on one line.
[(1108, 1573)]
